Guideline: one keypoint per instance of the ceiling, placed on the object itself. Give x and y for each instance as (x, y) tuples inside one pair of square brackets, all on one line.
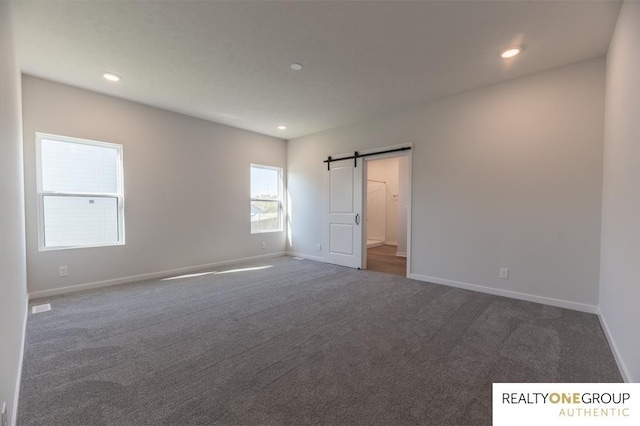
[(229, 61)]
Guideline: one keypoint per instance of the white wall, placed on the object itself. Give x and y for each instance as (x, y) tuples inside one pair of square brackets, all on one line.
[(386, 170), (376, 215), (13, 289), (505, 176), (620, 267), (186, 186)]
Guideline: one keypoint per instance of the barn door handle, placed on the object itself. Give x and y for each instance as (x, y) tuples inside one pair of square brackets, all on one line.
[(357, 218)]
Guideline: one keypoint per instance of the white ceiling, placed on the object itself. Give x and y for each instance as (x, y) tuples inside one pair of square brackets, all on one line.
[(228, 61)]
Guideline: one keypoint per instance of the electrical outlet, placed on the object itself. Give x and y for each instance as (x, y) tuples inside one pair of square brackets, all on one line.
[(63, 271), (263, 245), (504, 273), (319, 247)]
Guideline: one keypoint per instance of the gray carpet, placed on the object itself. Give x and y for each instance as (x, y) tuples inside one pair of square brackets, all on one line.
[(297, 343)]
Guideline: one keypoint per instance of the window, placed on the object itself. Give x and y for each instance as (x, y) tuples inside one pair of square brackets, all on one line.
[(80, 193), (266, 199)]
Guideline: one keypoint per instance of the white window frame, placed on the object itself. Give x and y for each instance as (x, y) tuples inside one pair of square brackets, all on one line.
[(279, 200), (41, 193)]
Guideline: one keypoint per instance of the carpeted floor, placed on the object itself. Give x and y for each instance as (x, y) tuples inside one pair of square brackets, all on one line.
[(295, 343)]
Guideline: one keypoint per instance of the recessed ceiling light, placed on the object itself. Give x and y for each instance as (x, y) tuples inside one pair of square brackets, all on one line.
[(296, 66), (510, 52), (282, 127), (111, 76)]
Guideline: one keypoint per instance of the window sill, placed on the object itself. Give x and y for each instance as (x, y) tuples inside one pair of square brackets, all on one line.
[(41, 248)]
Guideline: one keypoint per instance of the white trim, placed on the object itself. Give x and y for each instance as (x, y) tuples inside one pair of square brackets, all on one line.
[(391, 243), (576, 306), (306, 256), (141, 277), (409, 202), (624, 371), (16, 394), (364, 208), (56, 248)]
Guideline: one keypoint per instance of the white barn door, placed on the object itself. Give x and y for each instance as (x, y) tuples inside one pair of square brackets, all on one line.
[(344, 239)]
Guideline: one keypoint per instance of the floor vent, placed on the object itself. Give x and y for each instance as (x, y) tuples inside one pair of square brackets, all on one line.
[(41, 308)]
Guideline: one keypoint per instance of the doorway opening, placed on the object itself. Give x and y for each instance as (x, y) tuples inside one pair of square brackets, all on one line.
[(345, 234), (385, 211)]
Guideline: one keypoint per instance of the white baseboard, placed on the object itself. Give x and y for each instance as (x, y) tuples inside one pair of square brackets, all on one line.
[(141, 277), (391, 243), (508, 293), (305, 256), (401, 253), (624, 371), (16, 394)]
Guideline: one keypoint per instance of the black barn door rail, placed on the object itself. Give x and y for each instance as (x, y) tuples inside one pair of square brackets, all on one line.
[(355, 156)]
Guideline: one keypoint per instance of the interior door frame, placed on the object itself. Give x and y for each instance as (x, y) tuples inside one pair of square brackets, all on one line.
[(409, 155)]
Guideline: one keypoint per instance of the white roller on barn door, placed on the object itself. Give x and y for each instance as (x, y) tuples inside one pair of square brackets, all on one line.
[(344, 239)]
